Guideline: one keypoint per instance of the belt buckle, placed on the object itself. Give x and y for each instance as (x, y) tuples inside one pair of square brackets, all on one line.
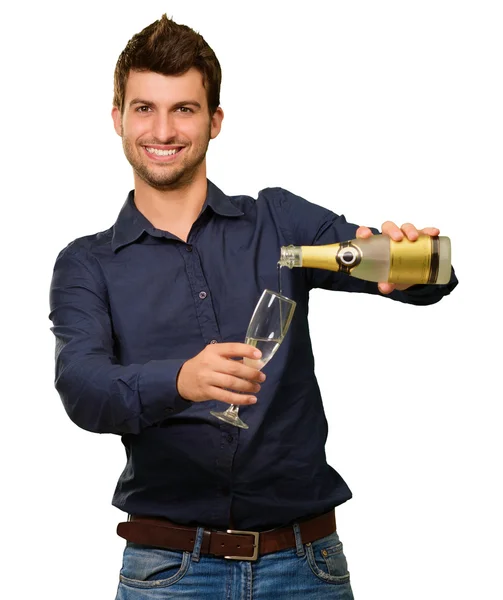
[(255, 535)]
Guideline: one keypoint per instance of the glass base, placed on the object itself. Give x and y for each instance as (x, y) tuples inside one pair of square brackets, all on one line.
[(230, 416)]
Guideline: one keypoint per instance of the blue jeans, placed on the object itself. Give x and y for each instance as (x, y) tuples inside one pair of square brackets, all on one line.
[(312, 571)]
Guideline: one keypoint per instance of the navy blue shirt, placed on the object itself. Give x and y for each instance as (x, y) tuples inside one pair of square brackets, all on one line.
[(129, 305)]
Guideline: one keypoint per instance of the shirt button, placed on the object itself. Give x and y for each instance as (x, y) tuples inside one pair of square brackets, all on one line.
[(202, 295), (214, 342), (189, 248), (230, 439)]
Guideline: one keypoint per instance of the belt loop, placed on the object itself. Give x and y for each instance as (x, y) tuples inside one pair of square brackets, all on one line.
[(298, 540), (197, 544)]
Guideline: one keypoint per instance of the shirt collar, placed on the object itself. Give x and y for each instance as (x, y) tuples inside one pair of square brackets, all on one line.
[(131, 223)]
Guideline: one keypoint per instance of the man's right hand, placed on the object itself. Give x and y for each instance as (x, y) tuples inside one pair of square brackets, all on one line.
[(213, 375)]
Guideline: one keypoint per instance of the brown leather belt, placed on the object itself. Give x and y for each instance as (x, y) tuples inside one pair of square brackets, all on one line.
[(231, 544)]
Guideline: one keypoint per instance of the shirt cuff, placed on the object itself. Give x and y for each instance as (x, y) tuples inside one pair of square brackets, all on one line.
[(158, 392), (418, 290)]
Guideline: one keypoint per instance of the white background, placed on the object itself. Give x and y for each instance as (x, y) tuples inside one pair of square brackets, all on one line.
[(377, 110)]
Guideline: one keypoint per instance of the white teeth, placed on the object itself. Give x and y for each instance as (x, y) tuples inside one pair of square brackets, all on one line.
[(162, 152)]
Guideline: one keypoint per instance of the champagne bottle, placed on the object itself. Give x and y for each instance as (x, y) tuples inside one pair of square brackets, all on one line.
[(378, 258)]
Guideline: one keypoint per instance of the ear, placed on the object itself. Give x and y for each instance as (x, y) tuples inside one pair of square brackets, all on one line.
[(116, 116), (216, 123)]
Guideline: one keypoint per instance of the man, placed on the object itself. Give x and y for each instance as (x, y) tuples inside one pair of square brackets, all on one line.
[(149, 318)]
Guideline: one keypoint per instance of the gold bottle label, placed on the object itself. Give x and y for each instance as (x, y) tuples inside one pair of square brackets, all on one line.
[(414, 262)]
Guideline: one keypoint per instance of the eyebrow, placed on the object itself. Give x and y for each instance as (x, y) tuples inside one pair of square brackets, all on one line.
[(176, 105)]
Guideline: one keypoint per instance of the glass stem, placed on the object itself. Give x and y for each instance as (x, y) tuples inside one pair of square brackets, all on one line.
[(233, 408)]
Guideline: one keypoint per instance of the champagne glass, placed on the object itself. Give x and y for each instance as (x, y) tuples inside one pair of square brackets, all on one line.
[(268, 326)]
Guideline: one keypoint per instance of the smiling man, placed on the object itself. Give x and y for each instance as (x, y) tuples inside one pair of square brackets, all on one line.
[(152, 112), (149, 317), (166, 126)]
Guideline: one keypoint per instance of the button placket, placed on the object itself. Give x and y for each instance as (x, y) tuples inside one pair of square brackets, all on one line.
[(225, 458), (199, 287)]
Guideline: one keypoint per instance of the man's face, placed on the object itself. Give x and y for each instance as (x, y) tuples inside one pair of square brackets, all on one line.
[(166, 127)]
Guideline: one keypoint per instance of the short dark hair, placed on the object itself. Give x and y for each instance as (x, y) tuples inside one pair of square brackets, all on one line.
[(168, 48)]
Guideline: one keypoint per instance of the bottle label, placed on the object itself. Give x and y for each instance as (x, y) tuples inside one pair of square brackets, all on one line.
[(414, 262)]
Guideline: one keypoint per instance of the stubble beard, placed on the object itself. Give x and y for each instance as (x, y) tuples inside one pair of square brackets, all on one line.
[(166, 177)]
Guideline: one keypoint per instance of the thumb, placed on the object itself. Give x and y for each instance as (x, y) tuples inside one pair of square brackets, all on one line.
[(386, 288)]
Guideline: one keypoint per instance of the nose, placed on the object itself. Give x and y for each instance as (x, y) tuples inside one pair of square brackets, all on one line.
[(164, 127)]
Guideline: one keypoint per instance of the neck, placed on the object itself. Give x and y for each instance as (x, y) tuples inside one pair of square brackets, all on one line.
[(172, 210)]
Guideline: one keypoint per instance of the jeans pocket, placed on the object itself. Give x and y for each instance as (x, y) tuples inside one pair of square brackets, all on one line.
[(327, 560), (146, 568)]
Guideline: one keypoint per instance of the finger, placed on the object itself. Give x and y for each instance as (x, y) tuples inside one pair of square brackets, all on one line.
[(392, 230), (386, 288), (249, 369), (410, 231), (235, 384), (231, 397), (433, 231), (232, 349), (363, 232)]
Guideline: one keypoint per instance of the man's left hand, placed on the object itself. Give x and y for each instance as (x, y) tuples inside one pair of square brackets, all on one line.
[(396, 233)]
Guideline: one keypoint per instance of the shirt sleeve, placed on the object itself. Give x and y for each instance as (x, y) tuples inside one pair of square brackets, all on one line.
[(309, 224), (98, 393)]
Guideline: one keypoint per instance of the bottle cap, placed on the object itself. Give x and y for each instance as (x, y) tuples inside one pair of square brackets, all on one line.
[(290, 256)]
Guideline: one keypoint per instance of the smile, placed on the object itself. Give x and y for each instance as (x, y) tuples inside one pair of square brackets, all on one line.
[(163, 155), (162, 152)]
